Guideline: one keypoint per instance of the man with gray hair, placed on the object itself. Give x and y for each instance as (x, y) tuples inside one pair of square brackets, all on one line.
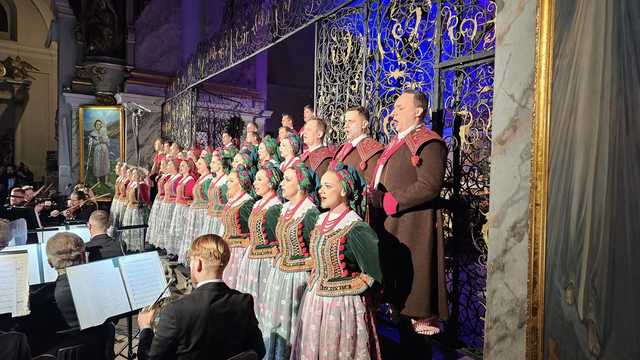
[(102, 246), (65, 249)]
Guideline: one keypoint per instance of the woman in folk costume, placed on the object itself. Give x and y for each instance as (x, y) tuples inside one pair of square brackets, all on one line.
[(336, 316), (268, 151), (290, 149), (158, 203), (124, 188), (113, 209), (184, 196), (165, 214), (288, 278), (258, 259), (117, 202), (217, 195), (197, 213), (206, 151), (235, 219), (247, 158), (138, 199)]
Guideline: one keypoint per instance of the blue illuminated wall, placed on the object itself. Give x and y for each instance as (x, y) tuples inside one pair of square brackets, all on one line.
[(367, 53)]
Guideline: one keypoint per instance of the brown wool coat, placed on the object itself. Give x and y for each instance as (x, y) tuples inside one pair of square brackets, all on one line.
[(368, 147), (319, 159), (411, 241)]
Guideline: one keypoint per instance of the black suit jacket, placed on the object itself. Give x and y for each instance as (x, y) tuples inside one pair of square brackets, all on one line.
[(65, 301), (213, 322), (102, 247), (53, 323), (14, 346)]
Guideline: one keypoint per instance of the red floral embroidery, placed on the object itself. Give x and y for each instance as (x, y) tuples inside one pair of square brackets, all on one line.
[(416, 160)]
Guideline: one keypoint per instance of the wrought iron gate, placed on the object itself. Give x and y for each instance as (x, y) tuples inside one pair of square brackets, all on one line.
[(366, 54)]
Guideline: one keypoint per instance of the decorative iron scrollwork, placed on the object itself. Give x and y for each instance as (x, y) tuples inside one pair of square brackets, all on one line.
[(445, 49), (340, 51)]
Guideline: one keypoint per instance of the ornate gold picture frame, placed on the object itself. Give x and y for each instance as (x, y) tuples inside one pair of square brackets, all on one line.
[(102, 144), (539, 180)]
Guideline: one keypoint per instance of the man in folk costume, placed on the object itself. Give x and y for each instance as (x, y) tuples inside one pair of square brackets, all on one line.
[(403, 195), (317, 155), (359, 151)]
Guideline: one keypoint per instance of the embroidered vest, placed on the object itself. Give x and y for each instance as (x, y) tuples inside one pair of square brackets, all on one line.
[(330, 275), (199, 197), (181, 198), (169, 195), (233, 234), (132, 196), (215, 201), (295, 255), (163, 179), (260, 246)]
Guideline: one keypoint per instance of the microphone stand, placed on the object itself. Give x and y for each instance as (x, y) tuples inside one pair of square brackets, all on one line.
[(86, 171)]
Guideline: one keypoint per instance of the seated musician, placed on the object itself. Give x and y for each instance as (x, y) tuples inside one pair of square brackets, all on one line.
[(16, 209), (79, 210), (213, 322), (13, 345), (53, 322), (101, 246)]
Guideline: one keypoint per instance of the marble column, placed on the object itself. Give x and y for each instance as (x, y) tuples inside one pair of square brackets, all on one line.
[(510, 174), (148, 126), (69, 124), (68, 51)]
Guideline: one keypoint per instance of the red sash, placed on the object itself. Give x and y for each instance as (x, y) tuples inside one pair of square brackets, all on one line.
[(391, 149)]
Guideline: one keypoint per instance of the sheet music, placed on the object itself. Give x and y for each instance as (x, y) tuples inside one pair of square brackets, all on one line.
[(82, 231), (44, 236), (144, 279), (8, 293), (98, 292), (33, 262), (14, 286), (49, 274)]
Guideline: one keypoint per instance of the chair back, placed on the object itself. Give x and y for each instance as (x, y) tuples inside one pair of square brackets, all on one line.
[(70, 353)]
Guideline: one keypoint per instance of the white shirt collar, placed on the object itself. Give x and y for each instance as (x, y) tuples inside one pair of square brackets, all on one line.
[(357, 140), (406, 132), (209, 282)]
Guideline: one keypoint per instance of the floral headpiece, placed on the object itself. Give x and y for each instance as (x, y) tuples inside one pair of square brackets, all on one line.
[(307, 180), (296, 143), (272, 148), (245, 178), (353, 185)]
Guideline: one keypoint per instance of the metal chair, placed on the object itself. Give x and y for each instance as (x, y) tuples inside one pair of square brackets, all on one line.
[(70, 353)]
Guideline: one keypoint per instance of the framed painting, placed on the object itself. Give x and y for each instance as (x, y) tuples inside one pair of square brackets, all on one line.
[(102, 144), (583, 259)]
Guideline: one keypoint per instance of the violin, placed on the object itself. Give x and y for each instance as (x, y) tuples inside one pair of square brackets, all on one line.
[(71, 210)]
